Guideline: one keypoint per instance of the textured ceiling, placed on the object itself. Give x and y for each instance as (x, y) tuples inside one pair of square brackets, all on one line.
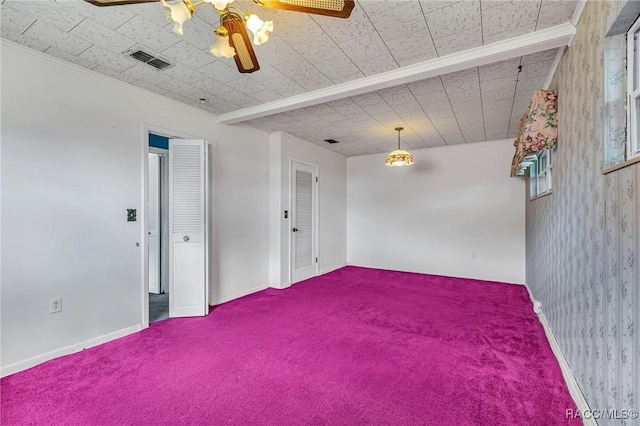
[(309, 52)]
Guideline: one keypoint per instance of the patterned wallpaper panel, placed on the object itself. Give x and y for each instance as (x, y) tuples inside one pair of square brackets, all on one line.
[(583, 241)]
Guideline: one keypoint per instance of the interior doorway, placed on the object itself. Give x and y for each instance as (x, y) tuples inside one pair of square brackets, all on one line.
[(304, 205), (158, 231)]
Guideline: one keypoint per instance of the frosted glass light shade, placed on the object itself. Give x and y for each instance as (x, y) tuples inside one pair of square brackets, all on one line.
[(221, 48), (399, 157), (219, 4), (178, 14), (260, 29)]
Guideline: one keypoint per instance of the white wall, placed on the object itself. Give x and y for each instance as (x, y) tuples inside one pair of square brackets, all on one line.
[(72, 163), (332, 205), (433, 216)]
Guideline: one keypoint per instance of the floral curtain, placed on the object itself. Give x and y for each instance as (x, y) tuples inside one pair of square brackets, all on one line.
[(538, 129)]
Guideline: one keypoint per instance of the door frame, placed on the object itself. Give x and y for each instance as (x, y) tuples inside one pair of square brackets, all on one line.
[(144, 216), (316, 216)]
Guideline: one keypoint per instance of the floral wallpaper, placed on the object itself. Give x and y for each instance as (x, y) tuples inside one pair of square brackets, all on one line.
[(583, 241)]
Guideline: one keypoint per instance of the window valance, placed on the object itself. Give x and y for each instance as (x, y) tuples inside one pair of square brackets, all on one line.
[(538, 129)]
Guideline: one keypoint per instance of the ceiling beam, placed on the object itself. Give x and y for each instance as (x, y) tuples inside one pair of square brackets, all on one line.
[(549, 38)]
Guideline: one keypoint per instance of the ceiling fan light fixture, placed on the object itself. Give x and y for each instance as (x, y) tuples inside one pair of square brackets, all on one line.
[(178, 13), (221, 47), (398, 157), (260, 29), (239, 39), (219, 4)]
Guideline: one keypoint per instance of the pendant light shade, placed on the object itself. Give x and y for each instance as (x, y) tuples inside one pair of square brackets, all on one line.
[(399, 157), (178, 14), (221, 48)]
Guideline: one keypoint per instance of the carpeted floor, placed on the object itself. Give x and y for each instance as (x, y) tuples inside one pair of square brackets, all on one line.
[(355, 346), (158, 307)]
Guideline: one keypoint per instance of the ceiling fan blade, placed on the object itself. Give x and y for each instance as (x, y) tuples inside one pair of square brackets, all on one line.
[(245, 57), (117, 2), (333, 8)]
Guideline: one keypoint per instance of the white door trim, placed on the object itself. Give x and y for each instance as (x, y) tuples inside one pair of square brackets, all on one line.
[(316, 215), (143, 216)]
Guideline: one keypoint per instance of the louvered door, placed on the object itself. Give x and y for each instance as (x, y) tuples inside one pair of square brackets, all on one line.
[(187, 228), (303, 219)]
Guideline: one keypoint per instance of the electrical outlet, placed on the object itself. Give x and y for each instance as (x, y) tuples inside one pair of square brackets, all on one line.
[(55, 305)]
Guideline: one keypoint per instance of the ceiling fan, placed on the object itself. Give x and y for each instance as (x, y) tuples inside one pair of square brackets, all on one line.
[(231, 36)]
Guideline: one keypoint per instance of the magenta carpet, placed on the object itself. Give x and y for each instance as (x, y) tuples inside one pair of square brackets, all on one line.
[(356, 346)]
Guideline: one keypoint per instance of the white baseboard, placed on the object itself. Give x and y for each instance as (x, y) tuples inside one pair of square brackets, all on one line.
[(225, 299), (39, 359), (569, 378)]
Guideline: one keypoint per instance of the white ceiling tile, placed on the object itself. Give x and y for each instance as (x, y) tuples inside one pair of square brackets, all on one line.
[(545, 55), (150, 87), (364, 47), (95, 33), (399, 98), (402, 19), (297, 26), (412, 48), (431, 5), (101, 56), (147, 73), (109, 17), (113, 73), (148, 34), (500, 94), (315, 82), (266, 72), (318, 51), (188, 55), (428, 86), (498, 84), (350, 108), (179, 87), (524, 28), (378, 108), (555, 12), (470, 73), (377, 64), (57, 38), (66, 56), (14, 22), (367, 99), (239, 99), (184, 73), (223, 70), (454, 18), (153, 12), (458, 42), (537, 69), (27, 41), (282, 85), (373, 7), (500, 70), (434, 103), (199, 33), (348, 78), (267, 95), (509, 15), (246, 85), (49, 13), (341, 30)]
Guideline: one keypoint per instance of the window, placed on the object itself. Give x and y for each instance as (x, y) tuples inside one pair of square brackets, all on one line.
[(633, 91), (540, 173)]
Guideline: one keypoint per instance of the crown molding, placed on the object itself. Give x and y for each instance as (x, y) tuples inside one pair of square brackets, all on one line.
[(549, 38)]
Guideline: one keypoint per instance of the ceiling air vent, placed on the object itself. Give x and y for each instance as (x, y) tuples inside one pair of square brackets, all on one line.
[(331, 141), (149, 59)]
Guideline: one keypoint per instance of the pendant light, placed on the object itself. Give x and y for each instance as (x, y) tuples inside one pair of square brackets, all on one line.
[(399, 157)]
